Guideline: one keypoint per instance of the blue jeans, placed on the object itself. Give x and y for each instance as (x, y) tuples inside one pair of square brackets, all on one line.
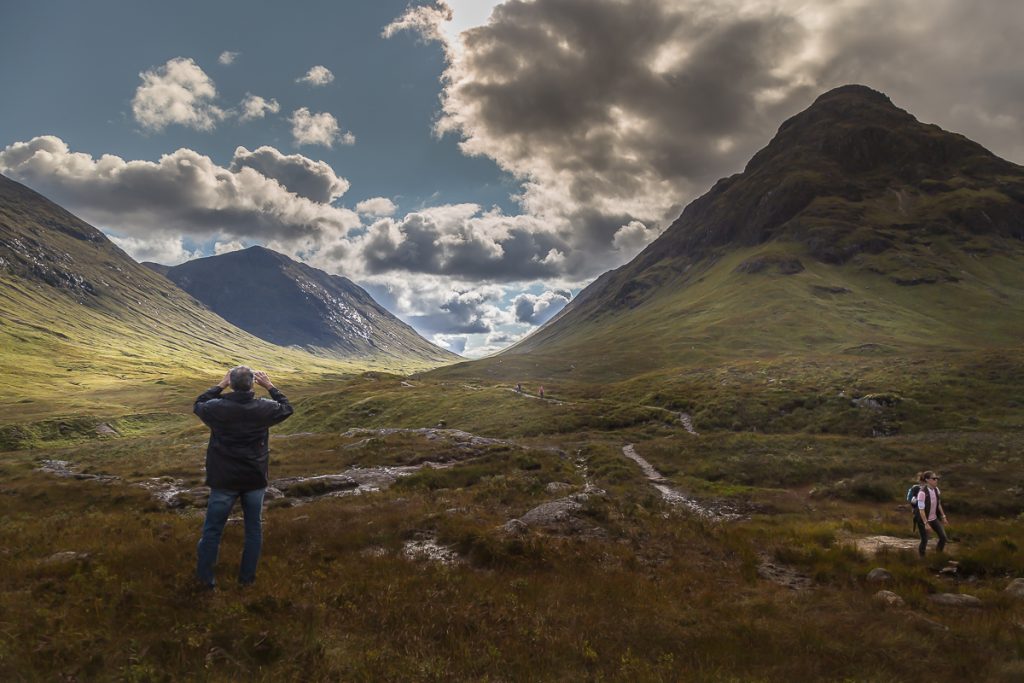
[(217, 510)]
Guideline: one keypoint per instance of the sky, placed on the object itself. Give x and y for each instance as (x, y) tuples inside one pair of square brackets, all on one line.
[(472, 163)]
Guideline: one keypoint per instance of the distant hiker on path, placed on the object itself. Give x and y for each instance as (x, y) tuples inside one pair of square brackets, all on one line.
[(236, 463), (519, 387), (930, 512), (541, 392)]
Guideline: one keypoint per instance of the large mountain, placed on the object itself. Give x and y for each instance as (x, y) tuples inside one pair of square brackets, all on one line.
[(857, 229), (292, 304), (79, 319)]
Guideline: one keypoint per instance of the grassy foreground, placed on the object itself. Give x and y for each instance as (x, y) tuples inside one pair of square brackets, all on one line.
[(631, 589)]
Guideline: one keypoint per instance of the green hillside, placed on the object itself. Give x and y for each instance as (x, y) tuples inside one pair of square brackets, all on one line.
[(83, 324), (857, 231)]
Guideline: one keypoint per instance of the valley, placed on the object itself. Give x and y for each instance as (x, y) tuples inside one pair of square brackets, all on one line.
[(708, 488)]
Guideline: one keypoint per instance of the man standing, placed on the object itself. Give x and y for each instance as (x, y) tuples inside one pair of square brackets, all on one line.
[(237, 460)]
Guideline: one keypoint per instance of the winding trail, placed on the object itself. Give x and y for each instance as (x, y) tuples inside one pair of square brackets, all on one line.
[(674, 496)]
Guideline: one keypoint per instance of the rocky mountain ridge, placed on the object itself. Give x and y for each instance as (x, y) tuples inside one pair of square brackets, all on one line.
[(292, 304), (851, 187)]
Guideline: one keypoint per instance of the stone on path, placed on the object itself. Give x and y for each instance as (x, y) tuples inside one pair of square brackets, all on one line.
[(888, 599), (879, 575)]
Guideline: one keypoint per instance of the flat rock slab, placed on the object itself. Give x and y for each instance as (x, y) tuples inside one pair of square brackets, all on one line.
[(871, 545), (954, 600), (65, 558)]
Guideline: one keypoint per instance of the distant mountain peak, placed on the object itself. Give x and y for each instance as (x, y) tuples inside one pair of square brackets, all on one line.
[(854, 91), (290, 303)]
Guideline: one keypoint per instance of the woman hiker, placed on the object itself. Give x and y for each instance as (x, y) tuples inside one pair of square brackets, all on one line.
[(930, 512)]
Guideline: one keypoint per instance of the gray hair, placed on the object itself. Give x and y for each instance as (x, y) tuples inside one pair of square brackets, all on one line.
[(241, 378)]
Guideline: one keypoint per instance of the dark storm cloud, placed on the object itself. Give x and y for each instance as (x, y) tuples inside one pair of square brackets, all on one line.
[(616, 113), (455, 241), (618, 95), (305, 177), (463, 312)]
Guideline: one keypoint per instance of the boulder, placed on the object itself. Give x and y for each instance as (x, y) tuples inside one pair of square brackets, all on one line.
[(306, 487), (66, 558), (879, 575), (557, 487), (954, 600), (516, 527), (888, 599), (553, 512), (1016, 588)]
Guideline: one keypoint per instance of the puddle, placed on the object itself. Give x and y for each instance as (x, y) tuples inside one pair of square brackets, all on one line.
[(175, 493), (674, 496)]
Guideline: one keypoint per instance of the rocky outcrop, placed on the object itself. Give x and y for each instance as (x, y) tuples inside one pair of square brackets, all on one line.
[(557, 516)]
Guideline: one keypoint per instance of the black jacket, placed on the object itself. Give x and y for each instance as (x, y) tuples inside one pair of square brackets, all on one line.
[(238, 455)]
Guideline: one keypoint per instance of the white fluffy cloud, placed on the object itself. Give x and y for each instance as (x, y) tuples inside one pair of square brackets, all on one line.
[(256, 107), (305, 177), (538, 309), (179, 92), (183, 193), (168, 249), (227, 247), (632, 237), (316, 76), (455, 343), (318, 129), (376, 206), (424, 20), (227, 57)]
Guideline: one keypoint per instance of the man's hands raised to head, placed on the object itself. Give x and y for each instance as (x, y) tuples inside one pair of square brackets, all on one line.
[(226, 381), (263, 380)]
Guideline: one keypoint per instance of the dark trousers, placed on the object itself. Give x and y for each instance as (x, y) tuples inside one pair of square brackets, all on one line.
[(940, 531)]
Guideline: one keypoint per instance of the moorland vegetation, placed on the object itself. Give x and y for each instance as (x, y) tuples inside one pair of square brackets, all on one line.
[(784, 399)]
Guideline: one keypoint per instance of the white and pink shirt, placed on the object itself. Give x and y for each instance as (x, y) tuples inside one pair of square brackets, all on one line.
[(933, 504)]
